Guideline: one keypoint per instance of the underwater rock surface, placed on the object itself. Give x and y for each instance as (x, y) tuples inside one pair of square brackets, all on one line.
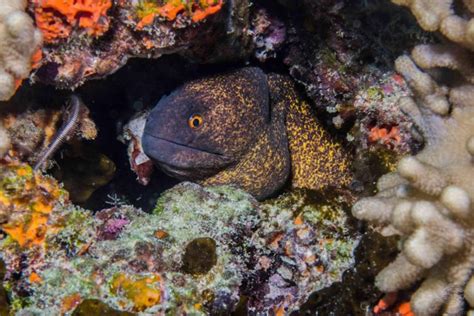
[(83, 41), (200, 250)]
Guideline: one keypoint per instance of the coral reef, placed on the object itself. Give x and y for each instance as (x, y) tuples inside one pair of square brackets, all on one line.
[(4, 141), (428, 200), (355, 293), (19, 45), (306, 242), (199, 252), (332, 48), (269, 34), (154, 263), (56, 19), (215, 249), (26, 202), (94, 38), (32, 131), (380, 121)]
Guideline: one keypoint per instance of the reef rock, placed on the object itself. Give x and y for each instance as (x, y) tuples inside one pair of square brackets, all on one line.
[(305, 241), (188, 255), (200, 251), (31, 131), (92, 39)]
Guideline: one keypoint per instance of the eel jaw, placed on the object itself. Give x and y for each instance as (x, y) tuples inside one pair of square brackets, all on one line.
[(182, 161)]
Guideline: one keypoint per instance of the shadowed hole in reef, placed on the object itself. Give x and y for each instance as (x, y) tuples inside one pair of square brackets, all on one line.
[(112, 103), (93, 307), (4, 303), (200, 256)]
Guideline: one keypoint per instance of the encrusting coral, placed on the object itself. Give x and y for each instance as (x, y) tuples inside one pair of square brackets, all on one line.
[(19, 45), (429, 199)]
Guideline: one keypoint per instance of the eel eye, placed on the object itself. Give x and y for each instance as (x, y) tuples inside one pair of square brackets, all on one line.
[(195, 121)]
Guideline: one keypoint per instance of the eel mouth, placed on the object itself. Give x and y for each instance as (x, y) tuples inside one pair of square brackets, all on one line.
[(183, 161), (184, 145)]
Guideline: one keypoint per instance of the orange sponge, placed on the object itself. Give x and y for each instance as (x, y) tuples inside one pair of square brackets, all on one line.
[(27, 200), (57, 18)]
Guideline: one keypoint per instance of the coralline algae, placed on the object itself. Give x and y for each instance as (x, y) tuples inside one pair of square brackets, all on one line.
[(198, 253)]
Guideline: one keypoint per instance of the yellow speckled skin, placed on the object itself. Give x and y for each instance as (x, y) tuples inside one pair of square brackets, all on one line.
[(257, 133), (317, 160)]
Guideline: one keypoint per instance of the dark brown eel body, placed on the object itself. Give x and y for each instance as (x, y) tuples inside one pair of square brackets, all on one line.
[(244, 128)]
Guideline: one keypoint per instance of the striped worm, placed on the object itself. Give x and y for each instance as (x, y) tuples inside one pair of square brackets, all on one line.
[(69, 126)]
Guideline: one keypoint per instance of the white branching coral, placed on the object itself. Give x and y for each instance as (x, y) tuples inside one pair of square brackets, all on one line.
[(439, 15), (4, 141), (19, 40), (429, 200)]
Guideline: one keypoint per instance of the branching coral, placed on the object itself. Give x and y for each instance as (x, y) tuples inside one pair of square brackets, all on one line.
[(19, 41), (429, 199), (439, 15), (4, 141)]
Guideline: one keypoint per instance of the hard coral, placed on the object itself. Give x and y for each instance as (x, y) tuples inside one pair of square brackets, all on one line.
[(19, 41), (439, 15), (57, 18), (429, 199)]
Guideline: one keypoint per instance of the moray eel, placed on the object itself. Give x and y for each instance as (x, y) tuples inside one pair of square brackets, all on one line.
[(247, 129)]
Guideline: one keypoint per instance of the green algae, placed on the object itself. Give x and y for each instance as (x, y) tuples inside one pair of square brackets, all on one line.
[(186, 213), (200, 245)]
